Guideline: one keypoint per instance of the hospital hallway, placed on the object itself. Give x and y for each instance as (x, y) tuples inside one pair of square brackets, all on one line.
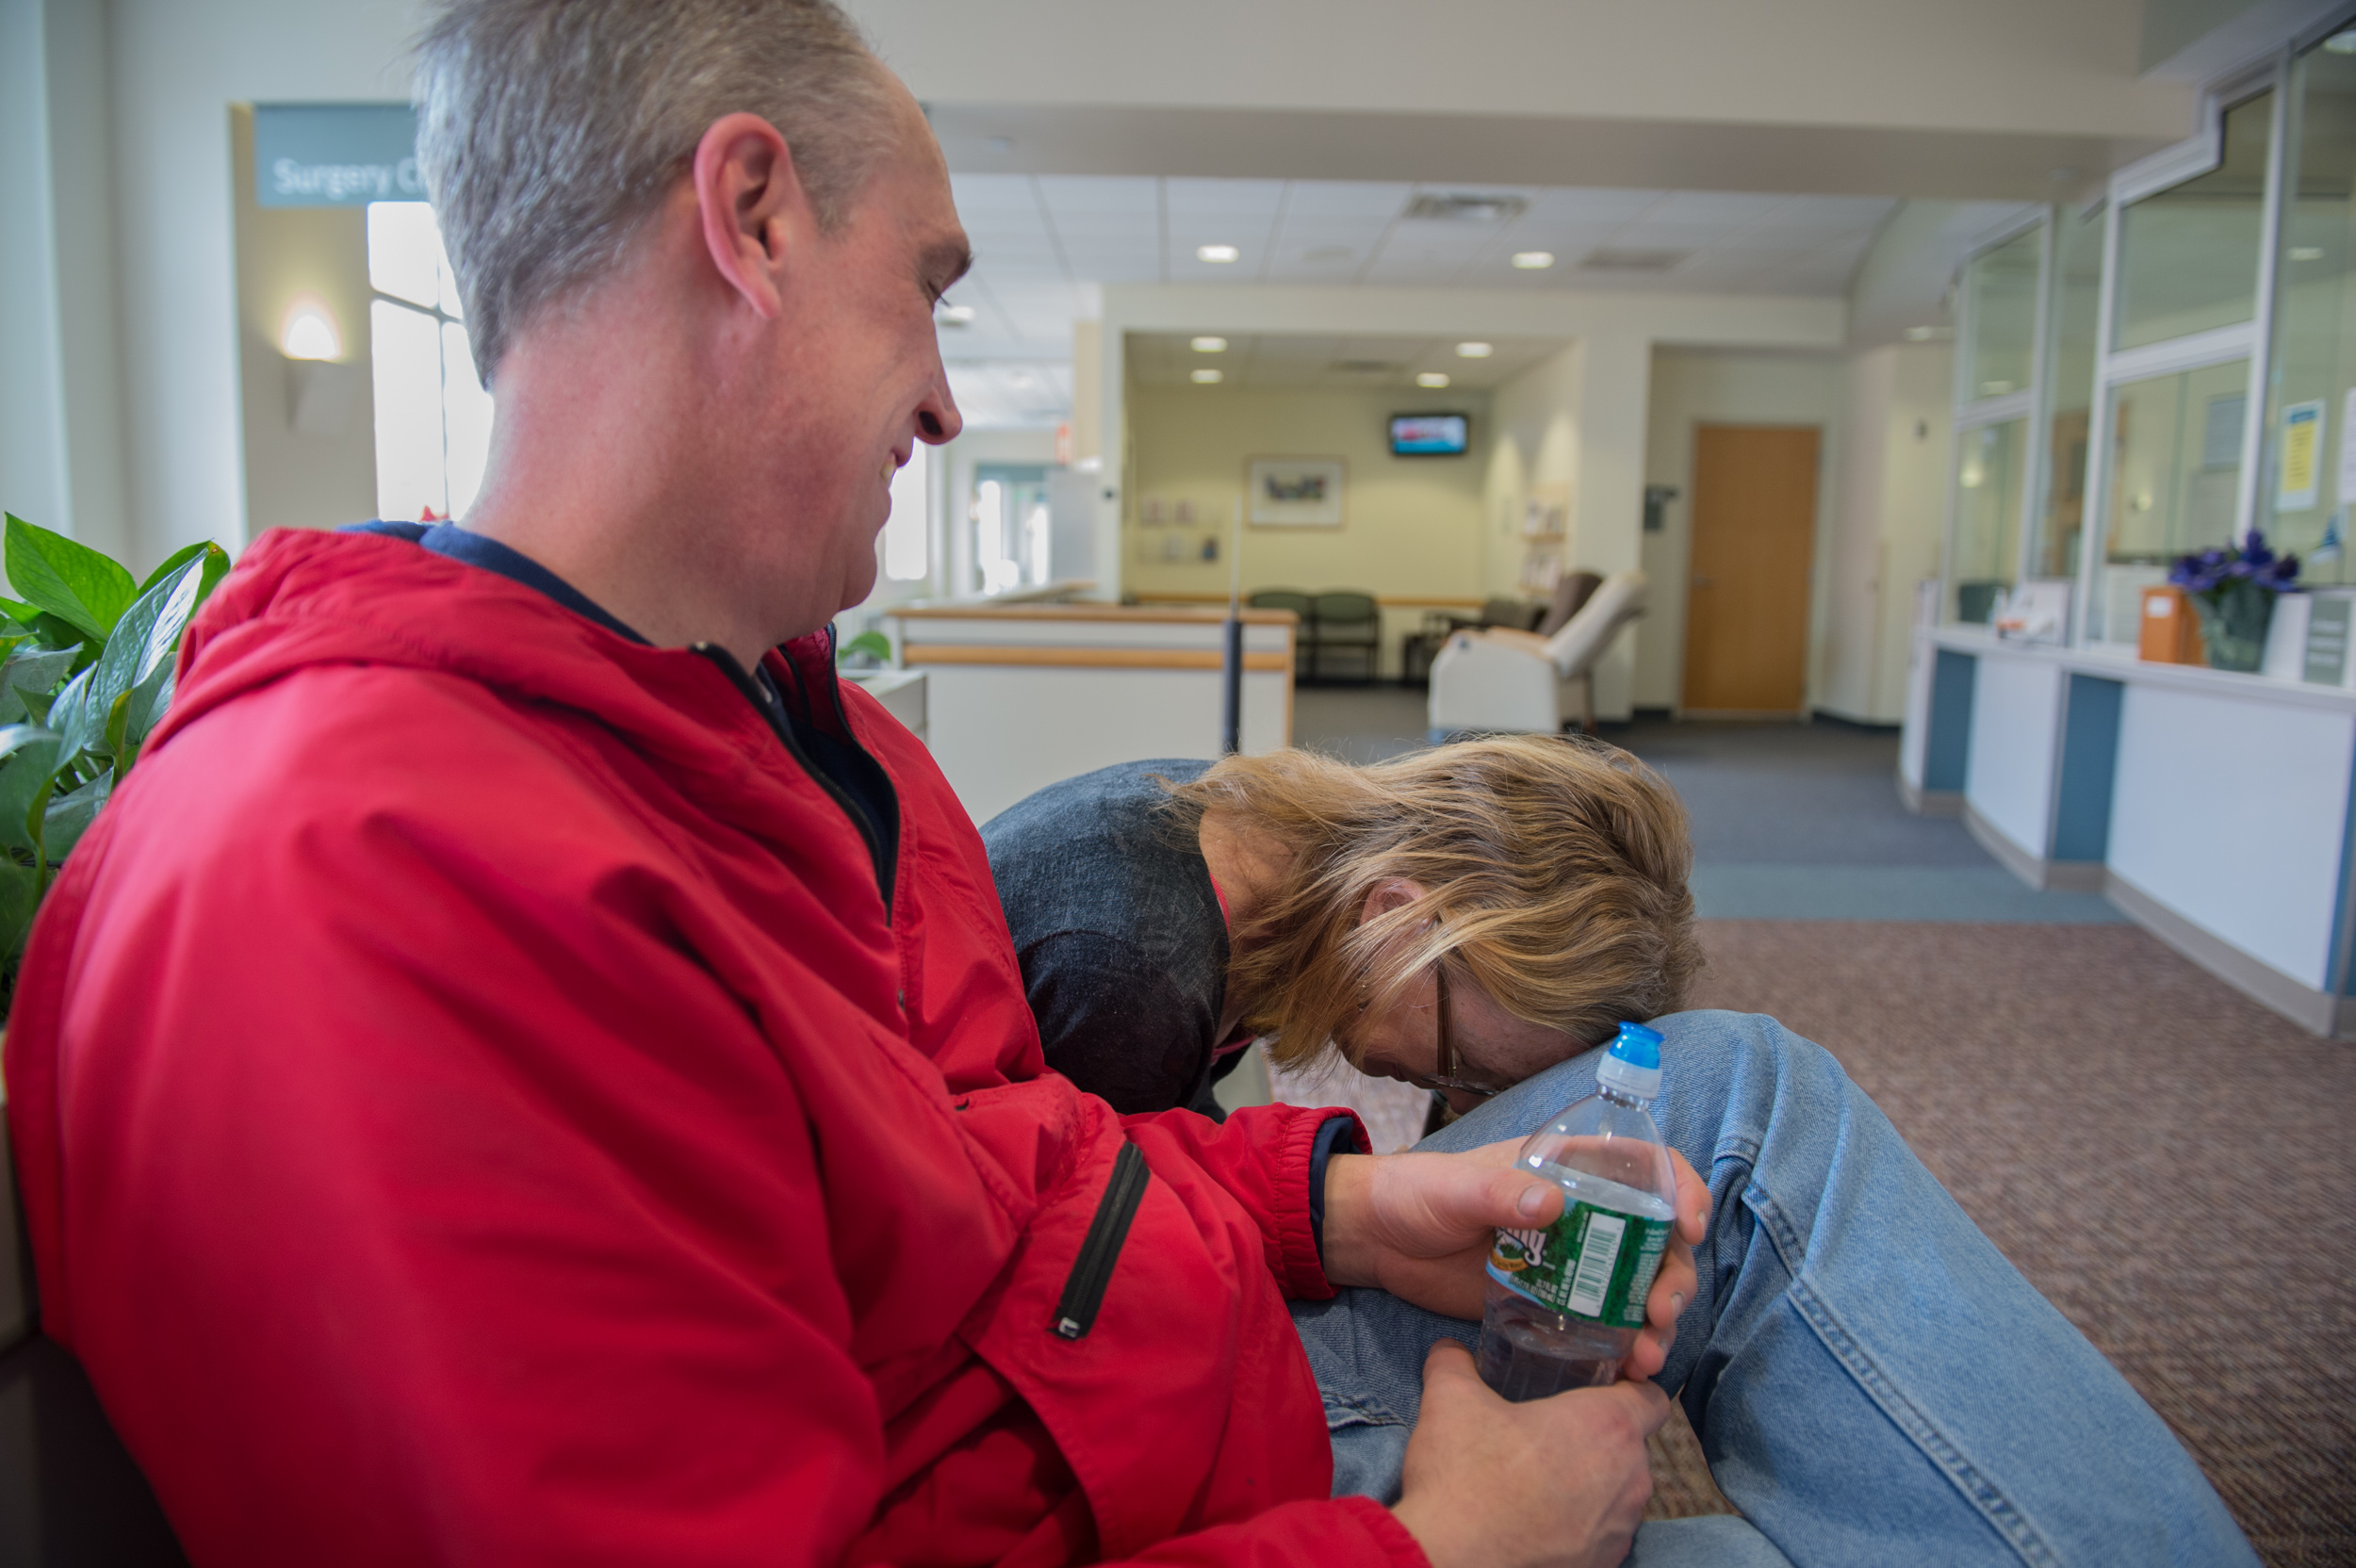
[(2075, 1084)]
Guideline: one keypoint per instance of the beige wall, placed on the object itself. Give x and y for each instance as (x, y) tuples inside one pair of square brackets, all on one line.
[(1696, 387), (1410, 525), (1995, 65), (296, 478)]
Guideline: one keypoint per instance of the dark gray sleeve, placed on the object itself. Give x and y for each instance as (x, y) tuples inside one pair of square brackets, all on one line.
[(1113, 1023)]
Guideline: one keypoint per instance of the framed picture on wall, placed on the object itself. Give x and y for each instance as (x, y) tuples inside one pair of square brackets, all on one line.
[(1295, 492)]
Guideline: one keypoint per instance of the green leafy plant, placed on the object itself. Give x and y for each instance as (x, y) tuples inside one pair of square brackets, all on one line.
[(86, 674), (874, 644)]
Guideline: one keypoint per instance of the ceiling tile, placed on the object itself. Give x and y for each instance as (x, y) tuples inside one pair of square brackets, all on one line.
[(1259, 198), (1347, 198)]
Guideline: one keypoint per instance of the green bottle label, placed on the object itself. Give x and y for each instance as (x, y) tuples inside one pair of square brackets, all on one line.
[(1596, 1263)]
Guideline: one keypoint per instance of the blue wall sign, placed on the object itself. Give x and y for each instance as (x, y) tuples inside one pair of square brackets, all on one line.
[(336, 155)]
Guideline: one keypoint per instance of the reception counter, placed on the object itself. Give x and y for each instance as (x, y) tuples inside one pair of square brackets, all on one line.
[(1019, 696), (2212, 808)]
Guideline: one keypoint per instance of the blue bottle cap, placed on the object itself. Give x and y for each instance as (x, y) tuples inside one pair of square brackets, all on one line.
[(1632, 1065)]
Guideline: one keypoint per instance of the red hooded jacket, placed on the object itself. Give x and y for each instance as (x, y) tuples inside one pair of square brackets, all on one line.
[(475, 1105)]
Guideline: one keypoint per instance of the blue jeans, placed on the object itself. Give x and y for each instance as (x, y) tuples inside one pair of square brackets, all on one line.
[(1871, 1382)]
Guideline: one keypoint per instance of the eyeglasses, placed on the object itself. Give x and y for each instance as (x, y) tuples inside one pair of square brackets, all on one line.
[(1450, 1064)]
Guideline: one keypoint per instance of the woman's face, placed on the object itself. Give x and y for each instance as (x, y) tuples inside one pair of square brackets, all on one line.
[(1492, 1047)]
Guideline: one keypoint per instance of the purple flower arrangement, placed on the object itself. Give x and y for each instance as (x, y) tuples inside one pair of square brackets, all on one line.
[(2211, 569), (2233, 590)]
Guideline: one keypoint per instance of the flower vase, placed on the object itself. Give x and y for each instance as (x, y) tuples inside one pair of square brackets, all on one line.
[(2234, 620)]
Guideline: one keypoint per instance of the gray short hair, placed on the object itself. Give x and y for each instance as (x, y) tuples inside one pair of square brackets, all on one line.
[(547, 130)]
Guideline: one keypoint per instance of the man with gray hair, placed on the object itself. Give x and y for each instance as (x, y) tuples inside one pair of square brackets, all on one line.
[(605, 1122), (532, 1071)]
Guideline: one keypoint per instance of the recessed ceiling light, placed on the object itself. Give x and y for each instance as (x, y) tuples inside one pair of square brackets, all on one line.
[(954, 316), (1210, 345), (1475, 350), (1433, 379), (2306, 253), (1215, 252), (1533, 261), (1207, 377)]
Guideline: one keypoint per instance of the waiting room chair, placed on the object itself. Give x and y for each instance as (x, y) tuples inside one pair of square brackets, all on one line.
[(1416, 648), (1304, 637), (1351, 623), (1500, 681), (1571, 595)]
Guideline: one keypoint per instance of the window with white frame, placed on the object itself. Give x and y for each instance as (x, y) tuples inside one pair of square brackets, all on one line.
[(2155, 371), (432, 416)]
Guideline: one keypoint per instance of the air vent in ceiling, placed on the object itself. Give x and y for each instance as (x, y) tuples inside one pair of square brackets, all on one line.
[(1368, 366), (1632, 261), (1459, 208)]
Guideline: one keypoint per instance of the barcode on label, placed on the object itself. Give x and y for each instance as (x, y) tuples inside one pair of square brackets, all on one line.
[(1598, 1252)]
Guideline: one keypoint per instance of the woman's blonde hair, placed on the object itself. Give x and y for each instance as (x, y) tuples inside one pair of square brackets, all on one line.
[(1553, 872)]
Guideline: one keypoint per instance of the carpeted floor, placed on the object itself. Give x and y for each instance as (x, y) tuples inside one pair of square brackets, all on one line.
[(2168, 1161)]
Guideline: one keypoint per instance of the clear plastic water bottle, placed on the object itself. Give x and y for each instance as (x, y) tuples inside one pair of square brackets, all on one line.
[(1565, 1304)]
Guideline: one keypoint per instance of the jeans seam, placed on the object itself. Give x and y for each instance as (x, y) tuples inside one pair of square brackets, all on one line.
[(1978, 1490), (1369, 1413)]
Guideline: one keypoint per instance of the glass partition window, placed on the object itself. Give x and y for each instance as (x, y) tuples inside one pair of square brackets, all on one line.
[(2000, 356), (2304, 503), (2070, 393), (1987, 517), (2175, 478), (1010, 528), (2188, 256), (432, 416)]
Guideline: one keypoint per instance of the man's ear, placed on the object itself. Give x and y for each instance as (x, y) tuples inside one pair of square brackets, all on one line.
[(754, 211)]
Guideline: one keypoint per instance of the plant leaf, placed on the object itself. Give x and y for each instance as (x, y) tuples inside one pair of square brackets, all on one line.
[(25, 774), (70, 715), (32, 668), (144, 642), (216, 566), (142, 711), (71, 581), (19, 897), (70, 816)]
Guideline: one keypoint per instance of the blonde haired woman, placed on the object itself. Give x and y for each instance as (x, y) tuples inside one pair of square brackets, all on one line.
[(1462, 917), (1872, 1381)]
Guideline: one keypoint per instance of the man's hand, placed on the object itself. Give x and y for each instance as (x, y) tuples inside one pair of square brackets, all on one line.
[(1419, 1226), (1553, 1483)]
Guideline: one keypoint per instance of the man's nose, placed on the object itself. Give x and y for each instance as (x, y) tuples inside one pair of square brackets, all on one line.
[(938, 420)]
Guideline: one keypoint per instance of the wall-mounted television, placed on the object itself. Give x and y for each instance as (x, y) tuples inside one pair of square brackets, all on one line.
[(1430, 435)]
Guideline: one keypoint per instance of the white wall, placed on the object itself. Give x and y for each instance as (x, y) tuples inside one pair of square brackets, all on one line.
[(173, 69), (1691, 388), (1889, 495), (60, 385)]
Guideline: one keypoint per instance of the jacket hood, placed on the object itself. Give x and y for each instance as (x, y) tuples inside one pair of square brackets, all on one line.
[(301, 598)]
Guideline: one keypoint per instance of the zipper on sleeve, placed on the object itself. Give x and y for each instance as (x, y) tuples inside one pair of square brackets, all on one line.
[(1084, 1290)]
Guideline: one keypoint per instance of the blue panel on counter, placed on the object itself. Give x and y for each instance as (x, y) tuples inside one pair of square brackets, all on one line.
[(2089, 764), (1947, 746)]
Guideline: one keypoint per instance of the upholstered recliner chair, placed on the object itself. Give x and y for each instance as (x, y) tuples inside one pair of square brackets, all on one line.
[(1501, 679)]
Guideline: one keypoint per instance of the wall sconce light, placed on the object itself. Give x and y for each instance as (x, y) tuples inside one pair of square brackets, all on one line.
[(320, 387)]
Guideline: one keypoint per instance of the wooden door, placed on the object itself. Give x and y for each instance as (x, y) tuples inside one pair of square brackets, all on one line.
[(1747, 591)]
